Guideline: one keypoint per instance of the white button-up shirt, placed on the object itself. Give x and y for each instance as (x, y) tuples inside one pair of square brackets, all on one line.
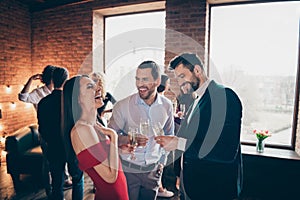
[(35, 95), (128, 112), (199, 93)]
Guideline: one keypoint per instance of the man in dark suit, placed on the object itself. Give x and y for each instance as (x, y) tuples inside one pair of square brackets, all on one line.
[(209, 137), (49, 119)]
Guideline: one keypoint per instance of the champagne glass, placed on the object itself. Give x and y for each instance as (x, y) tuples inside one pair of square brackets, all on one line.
[(174, 104), (159, 131), (182, 109), (144, 127), (132, 134)]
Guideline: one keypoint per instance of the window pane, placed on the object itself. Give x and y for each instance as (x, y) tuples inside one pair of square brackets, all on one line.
[(130, 40), (254, 50)]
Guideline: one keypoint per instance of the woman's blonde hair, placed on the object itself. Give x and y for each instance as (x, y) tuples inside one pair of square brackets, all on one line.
[(99, 79)]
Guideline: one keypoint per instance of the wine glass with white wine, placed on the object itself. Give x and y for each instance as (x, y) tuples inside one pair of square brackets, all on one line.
[(158, 131), (132, 134), (182, 109), (144, 128)]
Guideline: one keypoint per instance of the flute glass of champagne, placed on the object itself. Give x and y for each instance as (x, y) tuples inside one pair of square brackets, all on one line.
[(182, 109), (159, 131), (132, 134), (144, 128)]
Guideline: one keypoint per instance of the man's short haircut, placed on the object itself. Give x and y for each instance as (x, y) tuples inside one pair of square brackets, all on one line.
[(155, 70), (47, 74), (60, 75), (189, 60)]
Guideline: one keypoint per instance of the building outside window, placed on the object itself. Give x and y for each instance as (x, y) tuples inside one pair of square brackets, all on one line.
[(129, 40), (254, 50)]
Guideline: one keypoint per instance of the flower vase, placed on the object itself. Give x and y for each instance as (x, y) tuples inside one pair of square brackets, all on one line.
[(260, 146)]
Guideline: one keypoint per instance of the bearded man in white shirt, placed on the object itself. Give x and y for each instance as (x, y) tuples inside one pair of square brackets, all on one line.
[(143, 173)]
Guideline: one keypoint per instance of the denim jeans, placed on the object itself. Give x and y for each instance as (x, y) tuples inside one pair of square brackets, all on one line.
[(46, 169), (77, 179), (57, 175)]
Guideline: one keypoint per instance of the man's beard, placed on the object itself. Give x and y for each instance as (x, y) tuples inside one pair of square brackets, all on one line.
[(195, 83), (148, 95)]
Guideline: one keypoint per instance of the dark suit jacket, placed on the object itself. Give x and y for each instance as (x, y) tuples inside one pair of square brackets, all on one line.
[(49, 120), (212, 160)]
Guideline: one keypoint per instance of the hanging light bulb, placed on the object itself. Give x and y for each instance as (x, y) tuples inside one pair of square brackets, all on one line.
[(28, 105), (13, 105), (8, 89)]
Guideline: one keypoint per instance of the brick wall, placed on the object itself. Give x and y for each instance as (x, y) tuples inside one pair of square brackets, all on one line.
[(29, 41), (63, 37), (15, 64), (185, 23)]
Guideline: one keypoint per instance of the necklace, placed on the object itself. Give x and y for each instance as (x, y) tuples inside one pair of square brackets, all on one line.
[(81, 121)]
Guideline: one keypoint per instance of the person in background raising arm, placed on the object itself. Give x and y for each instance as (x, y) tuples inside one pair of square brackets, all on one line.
[(37, 94)]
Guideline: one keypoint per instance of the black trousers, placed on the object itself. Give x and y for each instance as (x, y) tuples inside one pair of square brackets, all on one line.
[(210, 180)]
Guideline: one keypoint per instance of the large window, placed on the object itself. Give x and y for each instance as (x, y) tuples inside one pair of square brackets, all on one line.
[(129, 40), (254, 50)]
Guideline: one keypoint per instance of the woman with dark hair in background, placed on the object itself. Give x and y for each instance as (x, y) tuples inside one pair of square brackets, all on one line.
[(164, 84), (95, 146)]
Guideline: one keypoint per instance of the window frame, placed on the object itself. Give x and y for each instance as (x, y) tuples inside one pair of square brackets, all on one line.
[(297, 82), (120, 14)]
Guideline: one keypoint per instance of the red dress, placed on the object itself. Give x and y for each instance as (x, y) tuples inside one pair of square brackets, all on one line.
[(93, 156)]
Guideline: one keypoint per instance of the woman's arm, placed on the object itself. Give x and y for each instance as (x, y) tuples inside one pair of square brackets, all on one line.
[(85, 136), (113, 157)]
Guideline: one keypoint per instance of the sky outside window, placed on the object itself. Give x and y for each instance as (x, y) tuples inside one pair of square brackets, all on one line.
[(254, 50), (130, 40)]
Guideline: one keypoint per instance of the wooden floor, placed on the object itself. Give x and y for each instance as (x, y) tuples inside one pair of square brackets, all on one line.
[(33, 191)]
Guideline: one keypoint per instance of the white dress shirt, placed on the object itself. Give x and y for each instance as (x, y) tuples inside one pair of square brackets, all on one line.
[(35, 95), (199, 93), (128, 112)]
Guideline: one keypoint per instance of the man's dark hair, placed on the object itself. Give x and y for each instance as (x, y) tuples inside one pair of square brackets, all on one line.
[(189, 60), (155, 71), (47, 74), (164, 78), (60, 75)]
